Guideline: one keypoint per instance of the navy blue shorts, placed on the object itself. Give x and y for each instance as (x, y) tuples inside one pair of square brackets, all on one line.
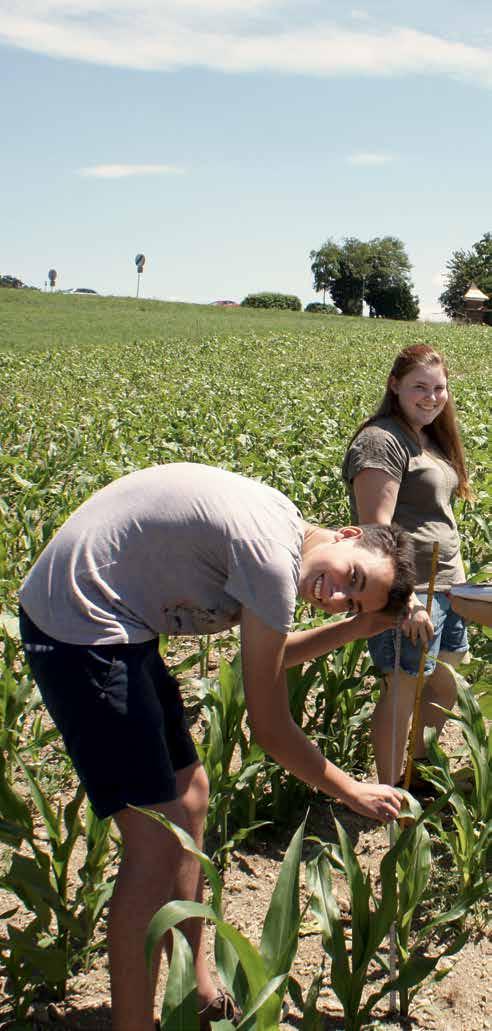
[(120, 713), (449, 635)]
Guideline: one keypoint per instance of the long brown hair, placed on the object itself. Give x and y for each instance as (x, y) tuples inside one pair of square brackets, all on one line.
[(444, 429)]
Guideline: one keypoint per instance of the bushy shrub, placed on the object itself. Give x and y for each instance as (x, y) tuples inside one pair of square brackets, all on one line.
[(271, 300), (321, 309), (12, 282)]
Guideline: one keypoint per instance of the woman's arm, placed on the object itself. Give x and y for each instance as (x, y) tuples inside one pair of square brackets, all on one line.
[(267, 701), (376, 494)]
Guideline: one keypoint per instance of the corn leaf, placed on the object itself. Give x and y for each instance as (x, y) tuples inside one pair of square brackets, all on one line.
[(180, 1008)]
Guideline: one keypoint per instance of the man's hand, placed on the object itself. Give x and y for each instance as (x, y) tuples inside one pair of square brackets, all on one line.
[(377, 801)]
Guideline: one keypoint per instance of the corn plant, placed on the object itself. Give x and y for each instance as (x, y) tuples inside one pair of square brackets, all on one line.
[(342, 706), (19, 698), (469, 838), (57, 937), (95, 888), (233, 792), (404, 872), (258, 978)]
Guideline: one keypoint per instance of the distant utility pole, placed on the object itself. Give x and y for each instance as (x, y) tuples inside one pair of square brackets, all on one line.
[(139, 262)]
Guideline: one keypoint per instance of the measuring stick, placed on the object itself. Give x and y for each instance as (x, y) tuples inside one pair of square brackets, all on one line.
[(419, 687), (392, 826)]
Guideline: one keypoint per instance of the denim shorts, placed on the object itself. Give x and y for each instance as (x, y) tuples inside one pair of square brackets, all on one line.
[(449, 635), (120, 714)]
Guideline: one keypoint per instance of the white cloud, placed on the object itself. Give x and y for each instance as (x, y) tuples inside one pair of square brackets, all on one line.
[(269, 35), (369, 159), (359, 15), (120, 171)]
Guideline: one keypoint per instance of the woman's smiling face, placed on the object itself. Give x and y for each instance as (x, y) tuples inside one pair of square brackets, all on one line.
[(422, 394)]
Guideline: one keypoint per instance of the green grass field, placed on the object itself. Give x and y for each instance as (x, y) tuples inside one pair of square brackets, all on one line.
[(31, 319), (274, 395)]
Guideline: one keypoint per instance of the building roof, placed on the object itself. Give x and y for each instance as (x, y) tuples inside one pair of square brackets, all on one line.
[(475, 294)]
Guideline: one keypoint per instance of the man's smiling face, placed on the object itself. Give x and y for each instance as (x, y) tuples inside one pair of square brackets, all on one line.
[(341, 575)]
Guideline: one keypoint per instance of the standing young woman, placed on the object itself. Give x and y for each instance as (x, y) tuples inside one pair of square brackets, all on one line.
[(406, 463)]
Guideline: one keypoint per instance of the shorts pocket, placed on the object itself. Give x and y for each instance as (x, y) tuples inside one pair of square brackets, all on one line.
[(109, 678)]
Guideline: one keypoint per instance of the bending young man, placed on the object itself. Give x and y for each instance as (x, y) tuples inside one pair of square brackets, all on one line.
[(189, 549)]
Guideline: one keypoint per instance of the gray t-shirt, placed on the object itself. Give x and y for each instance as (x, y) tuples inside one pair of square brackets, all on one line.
[(175, 549), (424, 505)]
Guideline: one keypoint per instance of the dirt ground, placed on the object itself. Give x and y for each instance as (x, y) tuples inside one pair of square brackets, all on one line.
[(462, 1001)]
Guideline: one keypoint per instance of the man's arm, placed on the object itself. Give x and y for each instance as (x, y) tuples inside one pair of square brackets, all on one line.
[(267, 701), (303, 645)]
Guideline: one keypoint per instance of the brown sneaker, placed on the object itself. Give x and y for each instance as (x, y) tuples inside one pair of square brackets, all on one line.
[(221, 1008)]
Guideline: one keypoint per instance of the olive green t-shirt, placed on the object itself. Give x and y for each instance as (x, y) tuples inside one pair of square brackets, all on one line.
[(428, 484)]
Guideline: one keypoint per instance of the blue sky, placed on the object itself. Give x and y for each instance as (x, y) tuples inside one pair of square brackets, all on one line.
[(225, 140)]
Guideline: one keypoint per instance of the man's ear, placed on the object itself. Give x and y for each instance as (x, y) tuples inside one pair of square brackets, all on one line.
[(345, 532)]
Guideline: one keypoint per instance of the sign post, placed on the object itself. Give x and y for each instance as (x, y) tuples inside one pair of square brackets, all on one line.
[(139, 262)]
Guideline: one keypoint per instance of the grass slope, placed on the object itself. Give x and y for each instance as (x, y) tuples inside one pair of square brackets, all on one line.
[(32, 320)]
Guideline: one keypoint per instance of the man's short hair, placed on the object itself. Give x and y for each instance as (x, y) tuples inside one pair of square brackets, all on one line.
[(397, 544)]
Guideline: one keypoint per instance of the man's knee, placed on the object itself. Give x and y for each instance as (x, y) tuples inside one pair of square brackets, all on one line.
[(193, 790)]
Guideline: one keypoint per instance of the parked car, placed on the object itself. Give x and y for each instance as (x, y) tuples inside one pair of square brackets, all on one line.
[(80, 290)]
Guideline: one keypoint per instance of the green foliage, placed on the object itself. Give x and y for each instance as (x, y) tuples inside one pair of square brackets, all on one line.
[(463, 268), (469, 838), (342, 706), (257, 978), (351, 270), (11, 282), (233, 792), (58, 935), (321, 309), (19, 698), (272, 300), (403, 876), (274, 395), (392, 302)]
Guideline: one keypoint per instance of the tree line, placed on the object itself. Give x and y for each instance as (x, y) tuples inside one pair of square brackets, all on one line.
[(377, 272)]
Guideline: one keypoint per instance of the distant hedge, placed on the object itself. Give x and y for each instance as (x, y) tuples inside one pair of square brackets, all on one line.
[(12, 282), (270, 300), (321, 309)]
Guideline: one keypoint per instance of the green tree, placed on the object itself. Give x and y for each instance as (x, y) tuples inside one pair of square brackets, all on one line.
[(348, 270), (463, 268), (325, 267), (393, 302)]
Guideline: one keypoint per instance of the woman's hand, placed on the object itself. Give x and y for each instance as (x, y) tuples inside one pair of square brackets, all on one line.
[(378, 801), (418, 625)]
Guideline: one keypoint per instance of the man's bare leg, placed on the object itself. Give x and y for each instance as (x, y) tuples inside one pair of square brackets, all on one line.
[(192, 785), (154, 869)]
